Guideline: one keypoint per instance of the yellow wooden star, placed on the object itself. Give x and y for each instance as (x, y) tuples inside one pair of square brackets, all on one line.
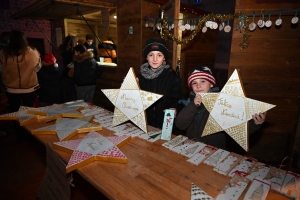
[(66, 128), (92, 147), (230, 111), (23, 116), (57, 111), (131, 102)]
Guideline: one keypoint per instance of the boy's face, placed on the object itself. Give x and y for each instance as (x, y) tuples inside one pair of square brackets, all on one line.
[(201, 85), (155, 59), (89, 42)]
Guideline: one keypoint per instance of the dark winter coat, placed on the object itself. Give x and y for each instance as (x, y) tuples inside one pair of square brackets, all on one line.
[(167, 84), (49, 78), (86, 69), (193, 119), (67, 57)]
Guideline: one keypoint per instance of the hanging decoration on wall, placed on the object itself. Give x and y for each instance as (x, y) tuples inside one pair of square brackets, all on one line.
[(213, 21)]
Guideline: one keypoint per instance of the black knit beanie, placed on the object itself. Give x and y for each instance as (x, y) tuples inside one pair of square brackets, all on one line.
[(156, 44)]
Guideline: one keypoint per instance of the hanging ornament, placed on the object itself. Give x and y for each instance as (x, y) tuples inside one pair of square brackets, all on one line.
[(261, 22), (214, 25), (227, 28), (204, 29), (200, 25), (295, 19), (240, 24), (279, 20), (208, 23), (269, 22), (252, 26), (187, 25), (221, 26)]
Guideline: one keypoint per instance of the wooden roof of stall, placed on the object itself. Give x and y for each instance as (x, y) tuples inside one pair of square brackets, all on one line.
[(59, 9)]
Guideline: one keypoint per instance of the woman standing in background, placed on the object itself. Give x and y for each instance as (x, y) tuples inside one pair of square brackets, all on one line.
[(19, 66), (67, 51)]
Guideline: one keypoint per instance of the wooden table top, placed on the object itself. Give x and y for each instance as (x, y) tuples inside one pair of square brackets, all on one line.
[(152, 171)]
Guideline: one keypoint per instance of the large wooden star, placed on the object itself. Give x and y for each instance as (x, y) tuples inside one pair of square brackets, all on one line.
[(66, 128), (230, 110), (58, 111), (131, 102), (93, 147), (22, 115)]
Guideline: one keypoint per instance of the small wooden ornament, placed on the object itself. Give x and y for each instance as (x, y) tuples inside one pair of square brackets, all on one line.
[(192, 149), (276, 177), (234, 188), (291, 185), (198, 193), (175, 141), (228, 163), (259, 170), (258, 189), (182, 146), (216, 157), (243, 167), (204, 153)]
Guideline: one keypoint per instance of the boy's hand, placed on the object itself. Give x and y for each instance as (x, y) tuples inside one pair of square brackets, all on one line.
[(198, 100), (259, 118)]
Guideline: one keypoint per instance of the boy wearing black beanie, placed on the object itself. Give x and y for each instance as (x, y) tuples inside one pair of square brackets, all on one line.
[(158, 77)]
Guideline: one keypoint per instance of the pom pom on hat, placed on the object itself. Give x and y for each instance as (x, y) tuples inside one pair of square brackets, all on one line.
[(50, 59), (156, 44), (202, 72)]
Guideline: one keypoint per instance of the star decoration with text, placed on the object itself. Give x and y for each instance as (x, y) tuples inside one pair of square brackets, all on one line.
[(23, 116), (92, 147), (66, 128), (230, 111), (130, 102), (58, 111)]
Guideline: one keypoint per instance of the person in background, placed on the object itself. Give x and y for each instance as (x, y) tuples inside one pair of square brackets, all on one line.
[(108, 50), (91, 46), (19, 66), (49, 78), (86, 72), (192, 118), (4, 39), (158, 77), (66, 49)]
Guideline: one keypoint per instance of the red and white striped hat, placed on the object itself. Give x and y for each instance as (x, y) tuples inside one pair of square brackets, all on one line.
[(202, 72)]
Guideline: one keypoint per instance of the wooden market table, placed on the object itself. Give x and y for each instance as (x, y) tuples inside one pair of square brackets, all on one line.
[(152, 171)]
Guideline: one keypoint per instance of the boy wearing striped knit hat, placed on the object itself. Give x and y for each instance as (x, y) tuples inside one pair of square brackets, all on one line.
[(192, 118)]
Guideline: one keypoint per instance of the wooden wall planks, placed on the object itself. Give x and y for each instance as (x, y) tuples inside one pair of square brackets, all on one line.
[(270, 69)]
